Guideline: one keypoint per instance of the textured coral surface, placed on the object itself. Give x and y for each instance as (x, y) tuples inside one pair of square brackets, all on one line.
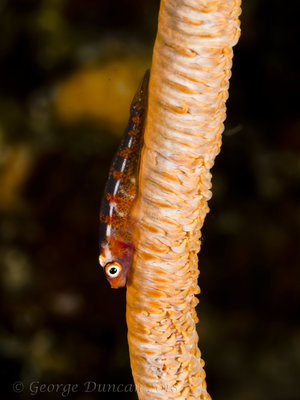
[(188, 89)]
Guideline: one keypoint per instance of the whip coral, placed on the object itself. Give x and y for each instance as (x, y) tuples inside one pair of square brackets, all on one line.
[(186, 109)]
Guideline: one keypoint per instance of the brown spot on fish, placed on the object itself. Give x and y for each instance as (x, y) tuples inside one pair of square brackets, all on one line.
[(125, 152)]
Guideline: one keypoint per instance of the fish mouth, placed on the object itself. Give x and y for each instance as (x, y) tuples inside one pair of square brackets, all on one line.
[(117, 283)]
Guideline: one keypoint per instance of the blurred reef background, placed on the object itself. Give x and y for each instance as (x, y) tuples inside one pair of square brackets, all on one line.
[(69, 70)]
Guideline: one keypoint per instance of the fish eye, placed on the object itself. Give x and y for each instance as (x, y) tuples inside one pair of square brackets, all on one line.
[(113, 269)]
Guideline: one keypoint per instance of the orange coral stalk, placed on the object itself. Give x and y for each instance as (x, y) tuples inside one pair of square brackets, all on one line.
[(187, 93)]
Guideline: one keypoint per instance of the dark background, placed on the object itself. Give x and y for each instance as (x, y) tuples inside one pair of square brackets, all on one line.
[(68, 72)]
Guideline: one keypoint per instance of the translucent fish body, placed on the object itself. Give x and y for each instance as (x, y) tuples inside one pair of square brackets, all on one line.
[(116, 224)]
